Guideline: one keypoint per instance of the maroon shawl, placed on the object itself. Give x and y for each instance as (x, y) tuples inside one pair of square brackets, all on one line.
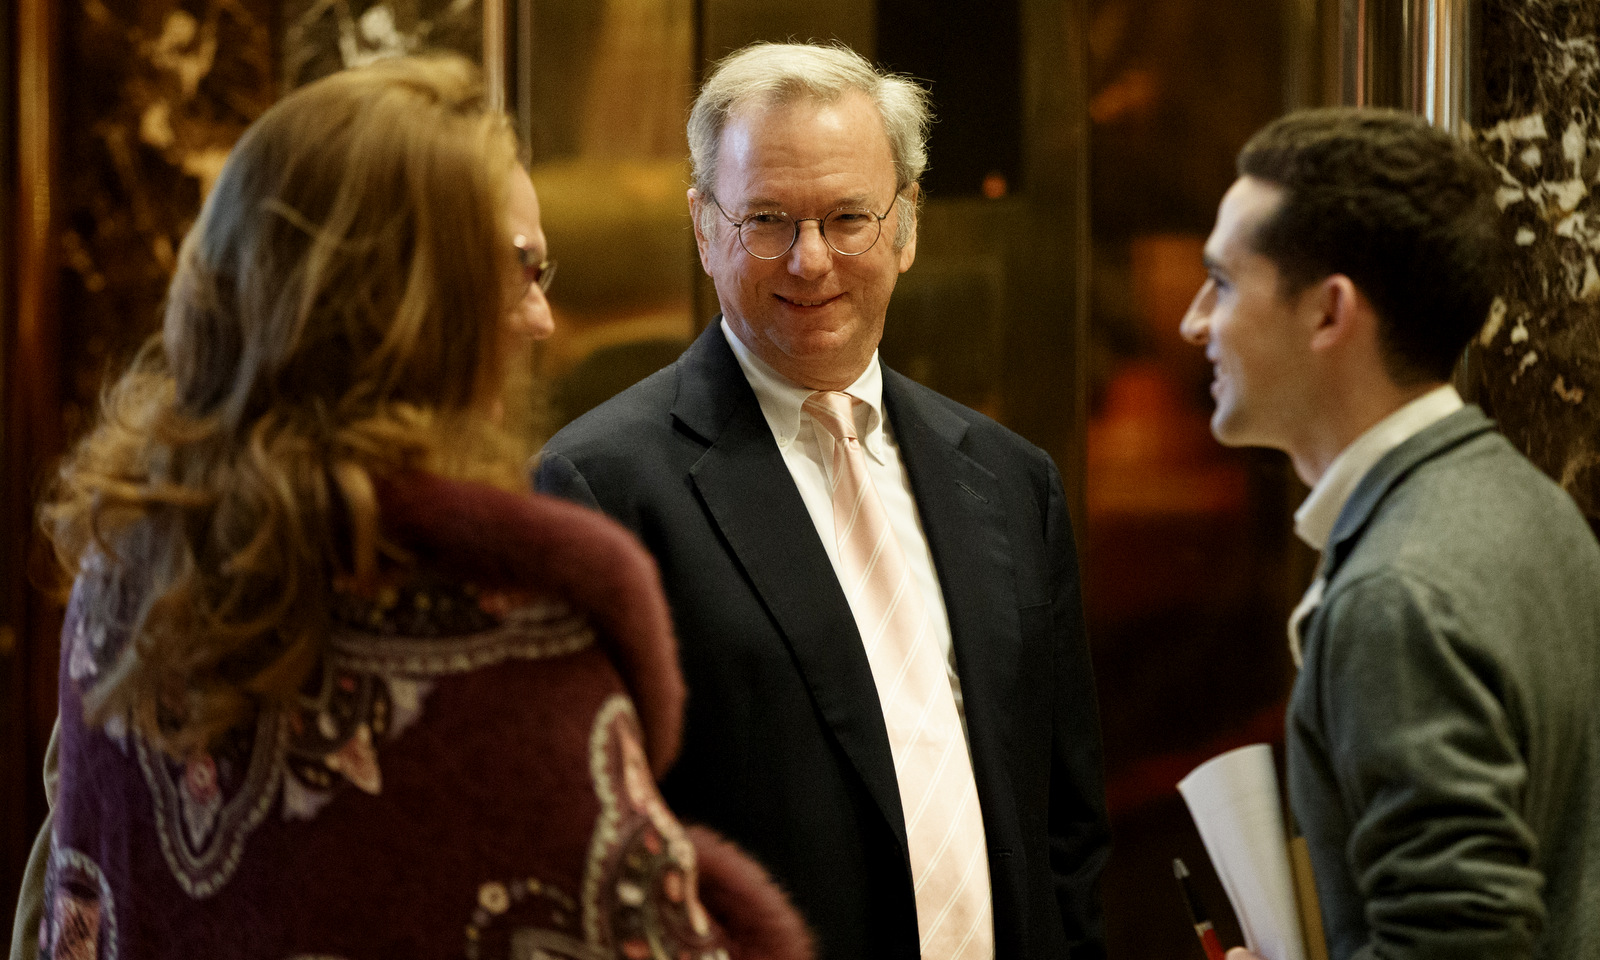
[(469, 773)]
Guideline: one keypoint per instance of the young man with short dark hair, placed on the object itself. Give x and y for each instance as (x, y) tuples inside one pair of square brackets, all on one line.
[(1443, 746)]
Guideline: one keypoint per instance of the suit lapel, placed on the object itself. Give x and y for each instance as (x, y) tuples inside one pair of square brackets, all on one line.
[(1388, 473), (752, 500), (959, 502)]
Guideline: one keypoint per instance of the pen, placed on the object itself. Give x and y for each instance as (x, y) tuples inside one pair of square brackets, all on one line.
[(1197, 914)]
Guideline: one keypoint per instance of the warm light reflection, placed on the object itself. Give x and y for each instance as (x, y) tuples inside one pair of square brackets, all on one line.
[(611, 185)]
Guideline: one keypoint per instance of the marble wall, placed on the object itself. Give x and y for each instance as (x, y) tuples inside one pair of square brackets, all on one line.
[(154, 94), (1536, 364), (322, 36)]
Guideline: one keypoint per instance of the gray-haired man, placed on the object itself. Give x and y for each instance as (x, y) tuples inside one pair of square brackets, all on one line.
[(875, 588)]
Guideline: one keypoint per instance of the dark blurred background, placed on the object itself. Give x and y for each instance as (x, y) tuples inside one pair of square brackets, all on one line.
[(1081, 149)]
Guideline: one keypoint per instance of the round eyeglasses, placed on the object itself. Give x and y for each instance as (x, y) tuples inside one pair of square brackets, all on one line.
[(542, 272), (848, 231)]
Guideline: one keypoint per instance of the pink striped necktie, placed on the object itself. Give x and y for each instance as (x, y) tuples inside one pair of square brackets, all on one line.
[(944, 827)]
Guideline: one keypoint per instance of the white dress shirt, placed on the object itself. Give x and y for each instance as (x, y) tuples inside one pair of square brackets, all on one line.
[(796, 436), (1315, 518)]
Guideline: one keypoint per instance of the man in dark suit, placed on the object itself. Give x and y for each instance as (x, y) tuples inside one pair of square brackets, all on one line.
[(1442, 738), (802, 742)]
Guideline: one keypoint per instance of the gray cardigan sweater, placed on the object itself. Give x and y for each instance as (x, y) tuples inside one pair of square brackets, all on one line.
[(1443, 734)]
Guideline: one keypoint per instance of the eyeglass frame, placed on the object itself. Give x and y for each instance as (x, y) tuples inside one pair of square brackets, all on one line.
[(822, 230), (542, 273)]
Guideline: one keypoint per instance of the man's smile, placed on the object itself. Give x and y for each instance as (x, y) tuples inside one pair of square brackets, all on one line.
[(814, 302)]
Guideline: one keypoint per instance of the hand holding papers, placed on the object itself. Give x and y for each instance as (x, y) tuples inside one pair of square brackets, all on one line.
[(1235, 803)]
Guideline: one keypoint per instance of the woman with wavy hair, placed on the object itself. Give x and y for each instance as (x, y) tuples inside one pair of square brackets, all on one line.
[(332, 684)]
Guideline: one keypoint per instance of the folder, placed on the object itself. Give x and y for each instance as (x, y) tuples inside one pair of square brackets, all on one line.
[(1235, 802)]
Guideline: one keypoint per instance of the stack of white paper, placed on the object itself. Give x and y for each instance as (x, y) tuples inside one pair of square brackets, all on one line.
[(1234, 801)]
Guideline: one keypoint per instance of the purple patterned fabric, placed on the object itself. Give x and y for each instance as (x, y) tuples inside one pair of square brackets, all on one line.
[(465, 775)]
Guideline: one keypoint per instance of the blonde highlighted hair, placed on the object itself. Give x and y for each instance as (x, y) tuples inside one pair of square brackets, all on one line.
[(335, 314)]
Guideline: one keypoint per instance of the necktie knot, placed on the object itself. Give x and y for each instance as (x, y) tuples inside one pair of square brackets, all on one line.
[(834, 412)]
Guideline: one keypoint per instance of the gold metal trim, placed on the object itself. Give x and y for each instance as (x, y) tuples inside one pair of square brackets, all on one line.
[(494, 52), (35, 171), (1413, 55)]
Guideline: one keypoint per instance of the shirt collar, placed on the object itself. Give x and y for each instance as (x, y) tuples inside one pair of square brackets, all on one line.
[(1316, 516), (781, 398)]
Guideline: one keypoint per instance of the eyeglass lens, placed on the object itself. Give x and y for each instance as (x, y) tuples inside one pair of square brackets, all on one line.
[(542, 272)]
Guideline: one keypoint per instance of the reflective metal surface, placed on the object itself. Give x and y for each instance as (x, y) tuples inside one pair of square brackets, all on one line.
[(1413, 55)]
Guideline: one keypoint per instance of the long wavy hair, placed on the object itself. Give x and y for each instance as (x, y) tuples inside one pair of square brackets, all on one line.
[(335, 314)]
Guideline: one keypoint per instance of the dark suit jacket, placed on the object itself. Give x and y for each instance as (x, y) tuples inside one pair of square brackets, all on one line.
[(785, 749), (1444, 747)]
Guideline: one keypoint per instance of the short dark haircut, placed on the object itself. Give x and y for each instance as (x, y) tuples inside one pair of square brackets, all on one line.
[(1404, 210)]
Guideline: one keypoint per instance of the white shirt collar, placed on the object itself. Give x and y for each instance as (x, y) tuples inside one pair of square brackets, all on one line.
[(781, 398), (1316, 516)]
